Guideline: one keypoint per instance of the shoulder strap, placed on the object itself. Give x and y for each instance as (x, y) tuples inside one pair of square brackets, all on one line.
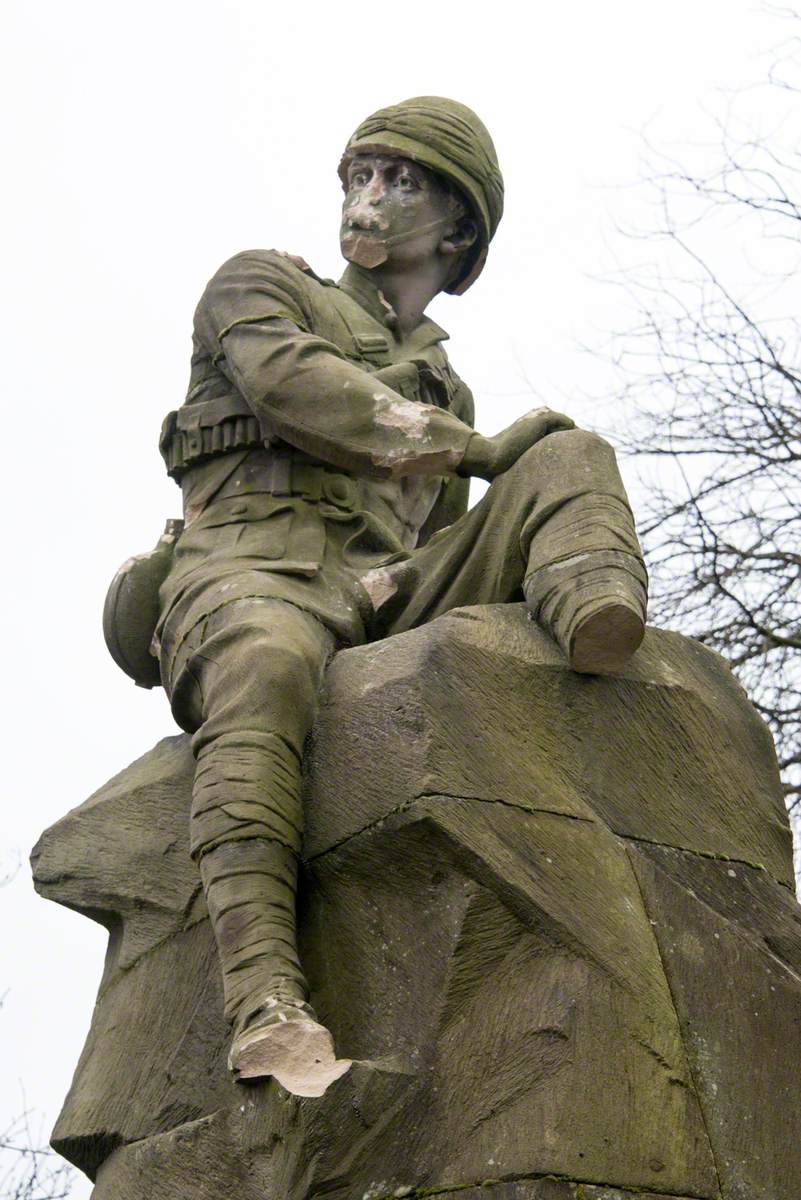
[(370, 342)]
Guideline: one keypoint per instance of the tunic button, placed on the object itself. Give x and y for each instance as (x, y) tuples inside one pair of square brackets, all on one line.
[(238, 510)]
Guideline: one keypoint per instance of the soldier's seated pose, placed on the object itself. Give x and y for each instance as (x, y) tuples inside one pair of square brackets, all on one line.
[(324, 451)]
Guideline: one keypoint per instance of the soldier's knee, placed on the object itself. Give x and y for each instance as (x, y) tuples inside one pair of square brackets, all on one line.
[(568, 454), (270, 658), (570, 445), (256, 653), (563, 460)]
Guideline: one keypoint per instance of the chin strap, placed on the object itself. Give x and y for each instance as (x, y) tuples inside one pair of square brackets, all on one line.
[(370, 250)]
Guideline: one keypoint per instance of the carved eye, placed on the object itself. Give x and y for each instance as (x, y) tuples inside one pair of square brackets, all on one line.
[(359, 179), (406, 183)]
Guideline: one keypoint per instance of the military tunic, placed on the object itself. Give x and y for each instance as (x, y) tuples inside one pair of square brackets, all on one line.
[(313, 446)]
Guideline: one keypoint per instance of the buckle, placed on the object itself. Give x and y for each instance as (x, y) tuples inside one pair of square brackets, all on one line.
[(339, 490)]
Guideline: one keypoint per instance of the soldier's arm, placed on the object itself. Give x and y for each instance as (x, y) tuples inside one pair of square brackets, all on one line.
[(258, 327), (454, 496), (304, 391), (257, 324)]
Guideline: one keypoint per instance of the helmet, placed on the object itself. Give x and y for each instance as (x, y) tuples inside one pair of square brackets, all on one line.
[(448, 138)]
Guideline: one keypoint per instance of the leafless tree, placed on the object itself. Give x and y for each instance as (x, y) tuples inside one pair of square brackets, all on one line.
[(711, 393), (29, 1169)]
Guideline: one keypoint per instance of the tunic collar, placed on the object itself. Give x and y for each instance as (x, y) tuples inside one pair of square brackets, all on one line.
[(373, 301)]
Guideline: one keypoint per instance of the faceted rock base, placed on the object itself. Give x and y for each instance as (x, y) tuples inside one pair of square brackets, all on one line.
[(549, 916)]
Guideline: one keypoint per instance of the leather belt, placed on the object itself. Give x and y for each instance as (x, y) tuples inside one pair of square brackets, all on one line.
[(286, 475)]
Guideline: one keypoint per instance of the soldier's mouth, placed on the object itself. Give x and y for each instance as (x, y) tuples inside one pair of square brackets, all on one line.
[(365, 247)]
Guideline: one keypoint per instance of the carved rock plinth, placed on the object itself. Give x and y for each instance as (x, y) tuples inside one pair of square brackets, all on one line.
[(550, 916)]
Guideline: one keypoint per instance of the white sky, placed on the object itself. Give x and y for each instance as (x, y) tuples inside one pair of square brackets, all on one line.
[(142, 145)]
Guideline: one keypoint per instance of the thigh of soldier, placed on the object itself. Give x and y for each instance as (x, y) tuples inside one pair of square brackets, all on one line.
[(477, 560), (255, 663)]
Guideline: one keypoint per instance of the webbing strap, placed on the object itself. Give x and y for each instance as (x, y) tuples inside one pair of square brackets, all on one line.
[(284, 475)]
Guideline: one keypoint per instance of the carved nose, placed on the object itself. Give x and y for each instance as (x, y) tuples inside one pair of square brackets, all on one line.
[(374, 191), (362, 216)]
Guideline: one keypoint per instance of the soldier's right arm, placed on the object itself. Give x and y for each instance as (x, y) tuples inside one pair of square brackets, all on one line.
[(257, 322)]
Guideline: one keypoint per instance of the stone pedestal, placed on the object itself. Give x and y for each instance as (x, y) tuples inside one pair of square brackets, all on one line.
[(550, 916)]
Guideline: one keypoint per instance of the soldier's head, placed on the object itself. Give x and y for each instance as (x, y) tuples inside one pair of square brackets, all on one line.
[(421, 178)]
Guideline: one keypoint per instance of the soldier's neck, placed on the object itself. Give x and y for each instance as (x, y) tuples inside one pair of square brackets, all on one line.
[(404, 295)]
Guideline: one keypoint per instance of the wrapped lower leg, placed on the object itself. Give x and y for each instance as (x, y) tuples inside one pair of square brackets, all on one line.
[(247, 785), (246, 832), (250, 891)]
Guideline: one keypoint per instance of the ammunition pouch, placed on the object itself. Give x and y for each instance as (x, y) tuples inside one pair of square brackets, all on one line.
[(206, 428), (203, 429)]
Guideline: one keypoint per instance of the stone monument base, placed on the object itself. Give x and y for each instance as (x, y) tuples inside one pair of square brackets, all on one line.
[(550, 916)]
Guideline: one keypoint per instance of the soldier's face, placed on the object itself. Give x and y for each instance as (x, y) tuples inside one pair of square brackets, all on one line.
[(395, 211)]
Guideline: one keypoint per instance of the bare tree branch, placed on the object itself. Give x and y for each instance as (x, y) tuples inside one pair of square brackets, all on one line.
[(28, 1171), (711, 391)]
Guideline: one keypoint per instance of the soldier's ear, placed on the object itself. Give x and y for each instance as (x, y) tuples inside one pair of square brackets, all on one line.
[(459, 237)]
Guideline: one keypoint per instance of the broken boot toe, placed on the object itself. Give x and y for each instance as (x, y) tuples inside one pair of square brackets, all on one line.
[(292, 1047)]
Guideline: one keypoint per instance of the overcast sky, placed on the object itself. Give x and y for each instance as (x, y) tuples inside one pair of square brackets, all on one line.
[(145, 143)]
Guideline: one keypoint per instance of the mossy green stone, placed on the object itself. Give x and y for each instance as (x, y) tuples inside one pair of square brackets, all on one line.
[(566, 964)]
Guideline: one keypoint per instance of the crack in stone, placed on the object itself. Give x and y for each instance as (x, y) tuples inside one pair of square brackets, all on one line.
[(535, 810), (672, 1077), (406, 805), (368, 828), (743, 862)]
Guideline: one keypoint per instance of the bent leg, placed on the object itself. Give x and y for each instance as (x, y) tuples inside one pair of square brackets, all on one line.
[(556, 528)]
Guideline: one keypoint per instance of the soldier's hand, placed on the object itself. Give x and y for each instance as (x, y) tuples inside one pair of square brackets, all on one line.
[(488, 457)]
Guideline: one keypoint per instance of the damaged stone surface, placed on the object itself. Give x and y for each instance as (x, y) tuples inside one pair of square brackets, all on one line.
[(549, 917)]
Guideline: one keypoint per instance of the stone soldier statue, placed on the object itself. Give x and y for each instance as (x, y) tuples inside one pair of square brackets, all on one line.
[(324, 451)]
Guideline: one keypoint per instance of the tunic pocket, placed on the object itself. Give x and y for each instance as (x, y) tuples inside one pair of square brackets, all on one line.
[(265, 538), (281, 534), (251, 526)]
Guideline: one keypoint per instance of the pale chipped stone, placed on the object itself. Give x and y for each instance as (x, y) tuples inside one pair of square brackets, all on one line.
[(410, 418), (379, 585)]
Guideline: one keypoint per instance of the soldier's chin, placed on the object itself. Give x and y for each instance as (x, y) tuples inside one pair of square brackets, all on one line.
[(363, 250)]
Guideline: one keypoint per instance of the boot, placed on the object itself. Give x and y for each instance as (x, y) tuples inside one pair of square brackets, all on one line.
[(250, 888), (290, 1045), (593, 604)]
